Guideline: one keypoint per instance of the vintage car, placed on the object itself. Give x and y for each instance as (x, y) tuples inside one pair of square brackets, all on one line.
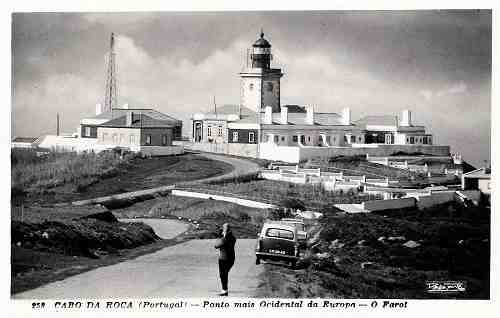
[(278, 241), (301, 228)]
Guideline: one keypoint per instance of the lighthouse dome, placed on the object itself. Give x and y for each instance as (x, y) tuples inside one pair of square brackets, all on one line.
[(261, 42)]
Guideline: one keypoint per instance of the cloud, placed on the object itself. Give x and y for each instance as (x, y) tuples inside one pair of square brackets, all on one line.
[(118, 18), (428, 94), (37, 103), (456, 88)]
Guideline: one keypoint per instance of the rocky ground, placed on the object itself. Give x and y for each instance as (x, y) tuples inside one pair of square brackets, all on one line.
[(390, 255)]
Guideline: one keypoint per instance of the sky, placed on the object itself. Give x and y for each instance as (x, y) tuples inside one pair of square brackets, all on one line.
[(435, 63)]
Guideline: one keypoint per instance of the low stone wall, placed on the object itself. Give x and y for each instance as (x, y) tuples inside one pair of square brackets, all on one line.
[(340, 185), (239, 201), (380, 205), (382, 150), (161, 151), (71, 144), (427, 201), (235, 149), (271, 151)]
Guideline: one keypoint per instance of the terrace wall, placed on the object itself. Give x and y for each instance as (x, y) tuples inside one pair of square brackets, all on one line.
[(380, 205), (239, 201)]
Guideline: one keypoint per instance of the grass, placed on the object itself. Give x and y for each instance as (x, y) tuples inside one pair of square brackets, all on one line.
[(66, 177), (31, 174), (276, 191), (358, 165)]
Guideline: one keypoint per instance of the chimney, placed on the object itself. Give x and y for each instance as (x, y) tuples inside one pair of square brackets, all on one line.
[(268, 115), (406, 118), (284, 115), (98, 109), (310, 115), (346, 116), (129, 117), (125, 106)]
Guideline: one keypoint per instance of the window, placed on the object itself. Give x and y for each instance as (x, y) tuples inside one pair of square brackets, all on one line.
[(164, 140), (132, 139), (251, 137), (308, 138), (269, 86), (209, 131), (115, 138), (276, 138), (280, 233), (334, 139), (302, 138), (148, 139), (359, 139), (295, 138), (412, 140), (327, 138), (87, 131), (250, 86), (220, 131), (425, 141), (282, 138), (235, 136), (345, 138), (353, 139)]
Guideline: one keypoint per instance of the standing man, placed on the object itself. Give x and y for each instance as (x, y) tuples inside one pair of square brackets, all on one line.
[(226, 256)]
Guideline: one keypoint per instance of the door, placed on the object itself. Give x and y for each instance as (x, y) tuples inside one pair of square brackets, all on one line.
[(197, 132)]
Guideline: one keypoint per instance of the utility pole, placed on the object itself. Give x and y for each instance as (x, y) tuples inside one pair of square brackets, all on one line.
[(57, 127), (110, 98), (215, 107)]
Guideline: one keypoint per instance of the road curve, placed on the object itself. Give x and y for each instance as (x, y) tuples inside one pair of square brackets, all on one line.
[(241, 167), (180, 271)]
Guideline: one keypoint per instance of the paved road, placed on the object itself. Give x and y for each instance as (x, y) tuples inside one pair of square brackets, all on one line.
[(184, 270), (165, 229), (241, 167)]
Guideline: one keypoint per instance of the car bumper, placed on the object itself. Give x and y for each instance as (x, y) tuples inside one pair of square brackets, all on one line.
[(271, 255)]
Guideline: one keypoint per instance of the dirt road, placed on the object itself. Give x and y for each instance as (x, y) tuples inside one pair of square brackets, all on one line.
[(184, 270)]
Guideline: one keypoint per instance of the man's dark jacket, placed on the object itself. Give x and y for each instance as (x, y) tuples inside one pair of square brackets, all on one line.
[(226, 247)]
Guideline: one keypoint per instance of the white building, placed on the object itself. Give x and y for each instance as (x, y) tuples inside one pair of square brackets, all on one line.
[(142, 130), (259, 126)]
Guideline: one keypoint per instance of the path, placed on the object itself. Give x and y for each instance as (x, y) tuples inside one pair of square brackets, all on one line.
[(184, 270)]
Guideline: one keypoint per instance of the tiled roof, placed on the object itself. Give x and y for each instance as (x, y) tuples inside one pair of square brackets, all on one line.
[(116, 113), (322, 119), (481, 173), (295, 108), (231, 109), (139, 121), (25, 139)]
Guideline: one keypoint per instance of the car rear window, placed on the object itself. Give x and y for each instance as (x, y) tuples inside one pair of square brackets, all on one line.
[(299, 226), (280, 233)]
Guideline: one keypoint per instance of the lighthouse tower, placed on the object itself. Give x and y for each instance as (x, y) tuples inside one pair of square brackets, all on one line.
[(260, 84)]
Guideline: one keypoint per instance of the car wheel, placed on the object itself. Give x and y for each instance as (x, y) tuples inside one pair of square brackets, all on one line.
[(257, 261)]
